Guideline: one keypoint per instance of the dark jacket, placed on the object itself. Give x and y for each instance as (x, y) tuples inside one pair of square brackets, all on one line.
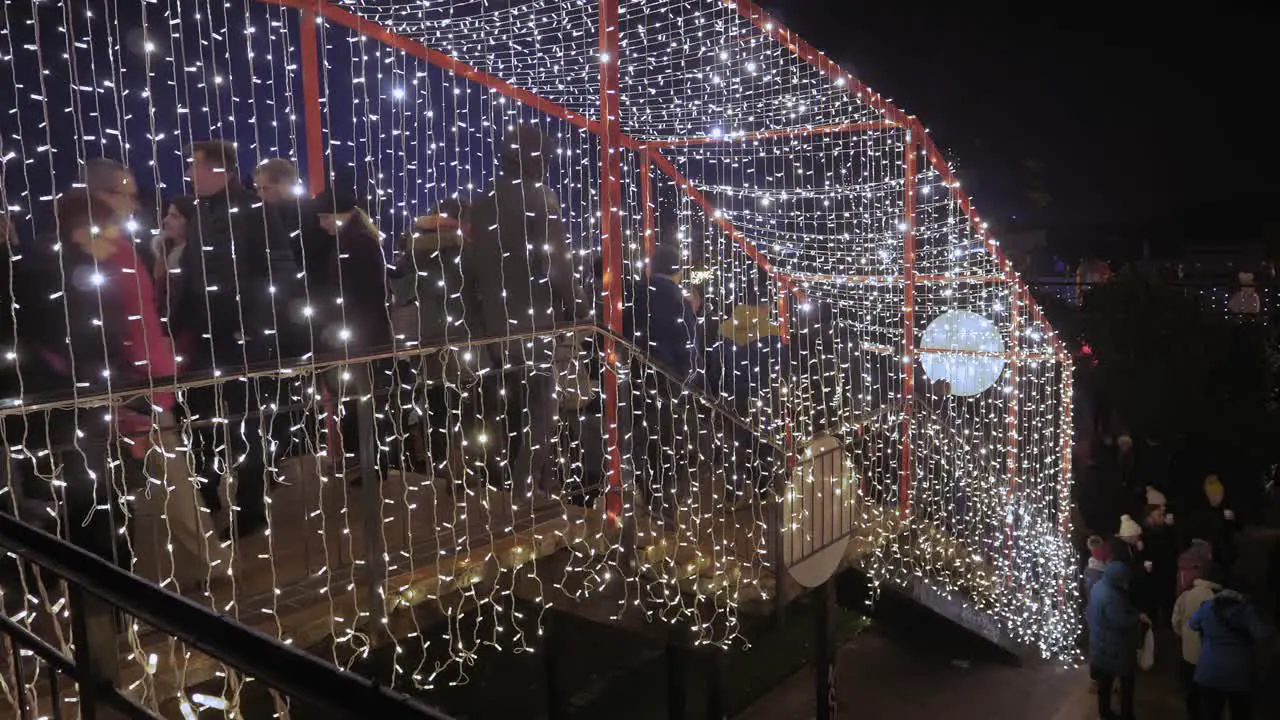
[(1114, 628), (427, 276), (358, 269), (666, 326), (1230, 633), (206, 318), (1211, 524), (1160, 548), (309, 245), (516, 266), (94, 324)]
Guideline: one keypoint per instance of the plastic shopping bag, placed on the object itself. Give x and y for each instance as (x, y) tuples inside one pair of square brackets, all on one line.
[(1147, 654)]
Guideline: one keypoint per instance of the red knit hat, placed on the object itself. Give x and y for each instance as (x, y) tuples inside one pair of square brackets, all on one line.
[(1102, 553)]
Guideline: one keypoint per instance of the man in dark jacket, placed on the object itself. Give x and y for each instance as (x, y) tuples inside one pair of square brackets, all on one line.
[(239, 282), (519, 276), (1160, 549), (279, 186), (665, 324), (355, 319), (1214, 521)]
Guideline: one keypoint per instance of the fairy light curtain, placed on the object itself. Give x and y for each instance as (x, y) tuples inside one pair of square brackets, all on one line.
[(756, 157)]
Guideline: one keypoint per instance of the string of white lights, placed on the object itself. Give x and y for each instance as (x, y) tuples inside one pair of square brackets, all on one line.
[(789, 197)]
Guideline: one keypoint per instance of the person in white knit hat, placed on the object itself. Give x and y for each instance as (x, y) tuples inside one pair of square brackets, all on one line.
[(1126, 547), (1130, 532), (1159, 555)]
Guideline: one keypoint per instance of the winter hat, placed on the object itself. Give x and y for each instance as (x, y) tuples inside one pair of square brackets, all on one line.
[(1128, 528), (1101, 553), (1155, 497)]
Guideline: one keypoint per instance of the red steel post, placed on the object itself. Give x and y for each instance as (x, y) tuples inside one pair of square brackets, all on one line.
[(1011, 417), (646, 205), (908, 314), (611, 245), (313, 153), (313, 159)]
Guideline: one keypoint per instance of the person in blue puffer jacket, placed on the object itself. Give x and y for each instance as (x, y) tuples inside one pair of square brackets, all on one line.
[(1115, 629), (1230, 634)]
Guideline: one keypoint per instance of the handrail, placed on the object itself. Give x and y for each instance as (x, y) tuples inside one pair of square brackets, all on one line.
[(285, 368), (285, 668), (317, 366)]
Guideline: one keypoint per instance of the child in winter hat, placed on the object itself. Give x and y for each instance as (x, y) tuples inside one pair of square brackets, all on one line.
[(1099, 556)]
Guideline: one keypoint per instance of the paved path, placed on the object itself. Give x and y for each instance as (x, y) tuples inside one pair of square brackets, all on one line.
[(920, 670)]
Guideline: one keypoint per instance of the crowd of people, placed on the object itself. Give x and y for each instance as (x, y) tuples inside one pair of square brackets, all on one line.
[(230, 284), (1176, 572)]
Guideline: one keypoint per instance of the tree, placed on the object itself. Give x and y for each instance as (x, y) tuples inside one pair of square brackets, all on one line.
[(1199, 382)]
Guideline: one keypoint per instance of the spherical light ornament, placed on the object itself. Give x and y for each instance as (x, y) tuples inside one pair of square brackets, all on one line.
[(969, 374)]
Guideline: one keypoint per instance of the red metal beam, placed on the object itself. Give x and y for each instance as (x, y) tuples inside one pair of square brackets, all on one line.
[(646, 205), (611, 245), (448, 63), (803, 50), (684, 184), (453, 65), (1064, 482), (314, 147), (935, 279), (770, 134), (908, 319), (1011, 402)]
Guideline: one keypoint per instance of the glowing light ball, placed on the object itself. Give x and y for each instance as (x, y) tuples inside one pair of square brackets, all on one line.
[(968, 372)]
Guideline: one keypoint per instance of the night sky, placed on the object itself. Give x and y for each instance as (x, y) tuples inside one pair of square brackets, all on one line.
[(1156, 122)]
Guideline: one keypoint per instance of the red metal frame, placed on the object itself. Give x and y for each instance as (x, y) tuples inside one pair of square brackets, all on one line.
[(803, 50), (374, 31), (311, 99), (613, 140), (646, 204), (908, 317), (450, 64), (1064, 486), (1011, 465), (769, 134), (1011, 420), (314, 149), (611, 245)]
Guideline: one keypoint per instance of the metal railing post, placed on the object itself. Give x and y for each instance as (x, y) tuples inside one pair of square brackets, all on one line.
[(97, 656), (826, 701), (375, 569)]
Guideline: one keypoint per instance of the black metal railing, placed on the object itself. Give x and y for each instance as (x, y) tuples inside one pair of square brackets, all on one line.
[(97, 591)]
